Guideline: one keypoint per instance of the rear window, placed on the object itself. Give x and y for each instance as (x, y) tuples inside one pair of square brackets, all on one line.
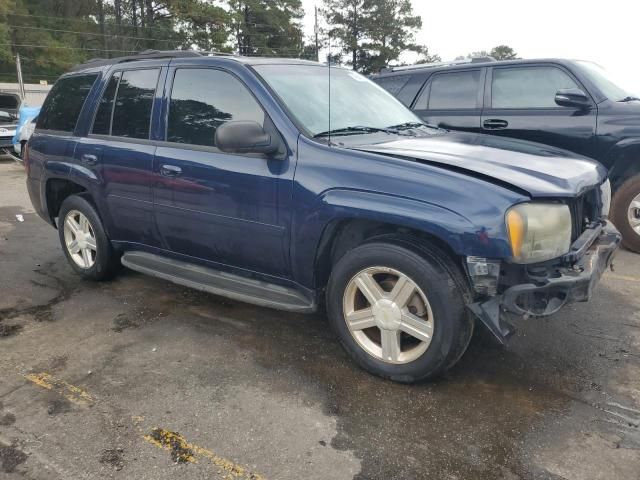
[(64, 103), (8, 101)]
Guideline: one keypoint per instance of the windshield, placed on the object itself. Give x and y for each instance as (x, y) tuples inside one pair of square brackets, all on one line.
[(355, 100), (604, 82)]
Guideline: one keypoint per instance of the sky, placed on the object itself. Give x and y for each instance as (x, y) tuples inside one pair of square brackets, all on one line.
[(605, 32)]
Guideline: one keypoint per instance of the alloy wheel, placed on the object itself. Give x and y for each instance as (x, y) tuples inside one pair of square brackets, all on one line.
[(80, 239), (634, 214), (388, 315)]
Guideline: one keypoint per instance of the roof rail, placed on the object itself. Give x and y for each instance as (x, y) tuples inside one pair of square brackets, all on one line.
[(146, 55), (438, 64)]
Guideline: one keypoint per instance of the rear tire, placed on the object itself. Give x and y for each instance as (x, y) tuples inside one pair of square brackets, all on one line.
[(371, 326), (625, 213), (84, 241)]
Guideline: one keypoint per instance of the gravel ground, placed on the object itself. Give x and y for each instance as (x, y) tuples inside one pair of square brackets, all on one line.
[(141, 379)]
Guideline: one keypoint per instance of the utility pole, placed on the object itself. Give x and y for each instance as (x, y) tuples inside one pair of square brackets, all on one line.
[(315, 31), (19, 71)]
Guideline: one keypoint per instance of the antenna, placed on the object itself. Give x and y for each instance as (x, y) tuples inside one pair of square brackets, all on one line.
[(329, 66)]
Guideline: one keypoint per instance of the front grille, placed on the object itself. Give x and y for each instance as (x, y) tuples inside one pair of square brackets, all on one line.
[(584, 210)]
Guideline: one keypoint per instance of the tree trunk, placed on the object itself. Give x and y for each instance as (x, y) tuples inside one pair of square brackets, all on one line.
[(149, 4), (102, 29), (134, 17)]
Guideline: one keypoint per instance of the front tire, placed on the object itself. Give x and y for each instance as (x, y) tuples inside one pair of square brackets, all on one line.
[(84, 240), (625, 213), (399, 310)]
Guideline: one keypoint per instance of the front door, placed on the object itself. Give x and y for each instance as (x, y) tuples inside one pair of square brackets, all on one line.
[(520, 103), (215, 206)]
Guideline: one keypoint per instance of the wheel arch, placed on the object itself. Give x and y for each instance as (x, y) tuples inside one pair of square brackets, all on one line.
[(624, 159), (345, 219)]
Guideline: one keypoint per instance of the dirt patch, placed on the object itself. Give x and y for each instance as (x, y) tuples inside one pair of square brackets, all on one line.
[(174, 442), (58, 363), (58, 406), (7, 419), (10, 458), (124, 321), (8, 330), (113, 457)]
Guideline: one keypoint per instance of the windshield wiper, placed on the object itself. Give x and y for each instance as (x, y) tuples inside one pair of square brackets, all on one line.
[(630, 98), (410, 125), (356, 130)]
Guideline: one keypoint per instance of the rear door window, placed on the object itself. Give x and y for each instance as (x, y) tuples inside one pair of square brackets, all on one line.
[(394, 84), (204, 99), (134, 102), (451, 91), (63, 104), (528, 87), (102, 122)]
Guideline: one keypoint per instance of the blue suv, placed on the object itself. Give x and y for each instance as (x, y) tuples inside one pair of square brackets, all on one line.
[(290, 185)]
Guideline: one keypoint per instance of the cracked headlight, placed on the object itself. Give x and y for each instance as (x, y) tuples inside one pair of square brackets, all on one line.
[(538, 231), (605, 196)]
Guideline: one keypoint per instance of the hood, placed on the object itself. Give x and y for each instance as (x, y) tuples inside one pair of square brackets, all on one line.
[(539, 170)]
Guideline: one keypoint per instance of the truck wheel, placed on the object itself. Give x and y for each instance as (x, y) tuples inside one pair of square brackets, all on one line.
[(625, 213), (399, 311), (84, 240)]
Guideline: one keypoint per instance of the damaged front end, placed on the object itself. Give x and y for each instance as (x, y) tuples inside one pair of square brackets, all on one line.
[(540, 290)]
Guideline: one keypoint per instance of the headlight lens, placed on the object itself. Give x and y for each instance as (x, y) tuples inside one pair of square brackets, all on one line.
[(605, 195), (538, 231)]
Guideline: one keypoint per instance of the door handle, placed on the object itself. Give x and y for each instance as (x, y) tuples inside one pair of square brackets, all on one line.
[(89, 159), (495, 124), (170, 171)]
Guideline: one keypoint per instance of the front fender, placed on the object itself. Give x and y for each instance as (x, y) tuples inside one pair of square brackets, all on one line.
[(624, 158), (464, 237)]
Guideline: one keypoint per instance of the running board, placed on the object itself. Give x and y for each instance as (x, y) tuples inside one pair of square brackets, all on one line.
[(219, 283)]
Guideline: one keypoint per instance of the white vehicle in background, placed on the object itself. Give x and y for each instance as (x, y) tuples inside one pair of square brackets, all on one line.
[(24, 134)]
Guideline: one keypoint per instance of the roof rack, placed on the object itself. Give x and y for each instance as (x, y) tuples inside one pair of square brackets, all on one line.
[(439, 64), (146, 55)]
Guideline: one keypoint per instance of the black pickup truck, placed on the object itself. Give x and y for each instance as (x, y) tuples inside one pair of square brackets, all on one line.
[(570, 104)]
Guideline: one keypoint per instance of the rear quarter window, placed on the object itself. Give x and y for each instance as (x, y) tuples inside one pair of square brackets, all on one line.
[(393, 85), (63, 104)]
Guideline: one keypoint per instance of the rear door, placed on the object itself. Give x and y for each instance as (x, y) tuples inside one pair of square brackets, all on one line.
[(520, 103), (118, 151), (452, 100)]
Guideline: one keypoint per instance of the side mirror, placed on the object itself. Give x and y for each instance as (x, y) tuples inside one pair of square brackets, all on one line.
[(572, 97), (245, 137)]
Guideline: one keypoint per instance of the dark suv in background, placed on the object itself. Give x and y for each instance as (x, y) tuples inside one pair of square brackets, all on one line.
[(565, 103)]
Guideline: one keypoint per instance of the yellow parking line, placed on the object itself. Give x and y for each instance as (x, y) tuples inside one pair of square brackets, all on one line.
[(70, 392), (183, 451), (622, 277), (176, 444)]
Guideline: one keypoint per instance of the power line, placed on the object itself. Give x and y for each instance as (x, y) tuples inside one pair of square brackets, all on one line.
[(60, 47), (24, 27), (122, 25)]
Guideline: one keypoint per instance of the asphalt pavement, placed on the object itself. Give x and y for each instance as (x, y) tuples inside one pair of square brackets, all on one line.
[(138, 378)]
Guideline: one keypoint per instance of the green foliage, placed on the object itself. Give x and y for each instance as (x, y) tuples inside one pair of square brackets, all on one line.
[(373, 33), (267, 28), (53, 35), (503, 52)]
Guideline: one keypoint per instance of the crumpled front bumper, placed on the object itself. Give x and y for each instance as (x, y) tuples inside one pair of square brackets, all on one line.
[(552, 287)]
